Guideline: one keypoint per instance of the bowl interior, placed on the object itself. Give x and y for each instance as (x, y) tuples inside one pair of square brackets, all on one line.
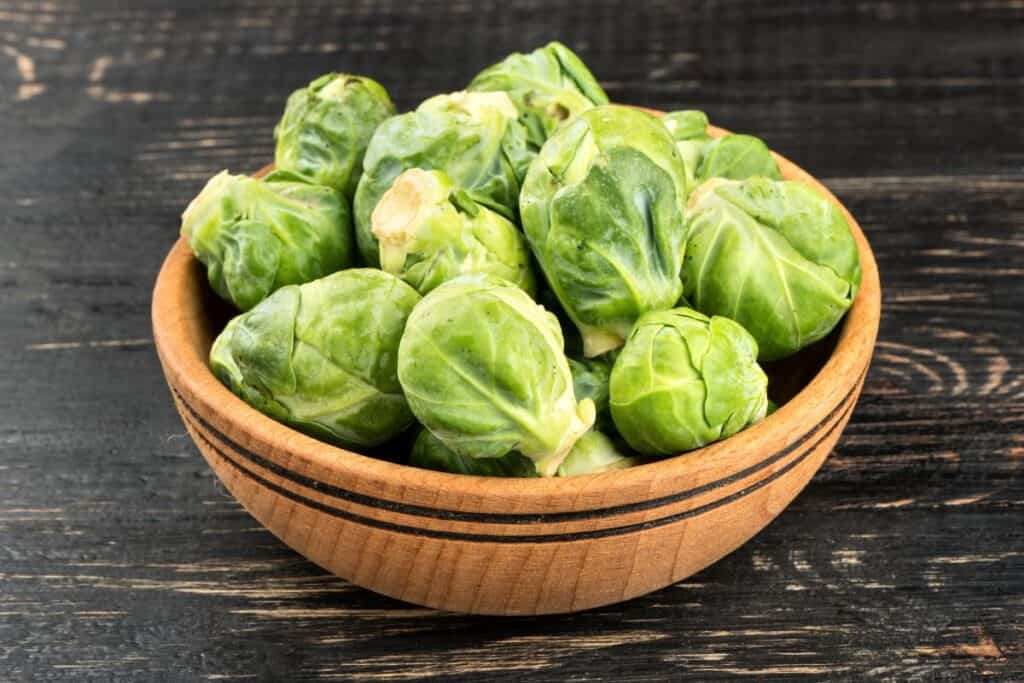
[(786, 377)]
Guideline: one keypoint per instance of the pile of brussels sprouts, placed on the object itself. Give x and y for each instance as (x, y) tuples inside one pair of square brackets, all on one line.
[(517, 279)]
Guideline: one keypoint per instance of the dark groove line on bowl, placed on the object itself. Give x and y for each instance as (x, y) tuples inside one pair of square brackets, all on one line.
[(512, 518), (516, 538)]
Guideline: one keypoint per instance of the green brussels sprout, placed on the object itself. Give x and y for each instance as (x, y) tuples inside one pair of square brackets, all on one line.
[(549, 86), (775, 256), (429, 232), (687, 124), (255, 236), (429, 452), (590, 380), (482, 367), (473, 137), (321, 357), (602, 209), (684, 380), (735, 157), (327, 126), (689, 128), (594, 452)]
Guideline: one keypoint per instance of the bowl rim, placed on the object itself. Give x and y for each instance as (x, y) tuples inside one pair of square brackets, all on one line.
[(176, 310)]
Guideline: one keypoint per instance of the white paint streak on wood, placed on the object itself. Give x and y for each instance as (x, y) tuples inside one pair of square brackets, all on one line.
[(27, 17), (99, 68), (125, 96), (100, 344), (968, 499), (518, 653), (25, 65), (952, 270), (762, 562), (941, 82), (920, 297), (991, 241), (783, 670), (26, 91), (846, 557), (100, 613), (885, 505), (799, 560), (46, 43), (335, 613), (976, 559)]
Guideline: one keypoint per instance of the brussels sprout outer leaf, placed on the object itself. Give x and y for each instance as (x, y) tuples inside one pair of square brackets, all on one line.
[(594, 453), (740, 265), (327, 126), (684, 380), (737, 157), (321, 357), (482, 366), (590, 380), (601, 208), (549, 87), (429, 232), (430, 453), (574, 68), (813, 225), (736, 385), (689, 128), (689, 124), (252, 355), (249, 264), (473, 137), (731, 156)]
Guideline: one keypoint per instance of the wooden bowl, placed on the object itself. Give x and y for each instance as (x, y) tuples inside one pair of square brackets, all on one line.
[(512, 546)]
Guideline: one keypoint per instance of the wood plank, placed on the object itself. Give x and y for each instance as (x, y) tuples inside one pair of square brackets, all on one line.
[(120, 556)]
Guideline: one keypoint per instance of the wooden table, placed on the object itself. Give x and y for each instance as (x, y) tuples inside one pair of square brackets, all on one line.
[(120, 556)]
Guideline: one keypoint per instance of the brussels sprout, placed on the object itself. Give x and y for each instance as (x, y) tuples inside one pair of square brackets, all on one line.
[(255, 236), (775, 256), (687, 124), (684, 380), (430, 453), (430, 232), (473, 137), (321, 356), (482, 367), (593, 453), (590, 380), (327, 126), (602, 209), (737, 157), (731, 156), (549, 86), (689, 128)]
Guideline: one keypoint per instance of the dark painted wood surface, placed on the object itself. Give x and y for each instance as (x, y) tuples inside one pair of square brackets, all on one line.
[(121, 558)]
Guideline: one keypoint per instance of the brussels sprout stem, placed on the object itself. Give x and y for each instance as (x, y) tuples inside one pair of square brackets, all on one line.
[(398, 214), (547, 465), (597, 341)]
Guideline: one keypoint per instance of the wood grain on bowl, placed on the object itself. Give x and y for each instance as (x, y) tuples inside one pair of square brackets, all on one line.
[(507, 546)]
